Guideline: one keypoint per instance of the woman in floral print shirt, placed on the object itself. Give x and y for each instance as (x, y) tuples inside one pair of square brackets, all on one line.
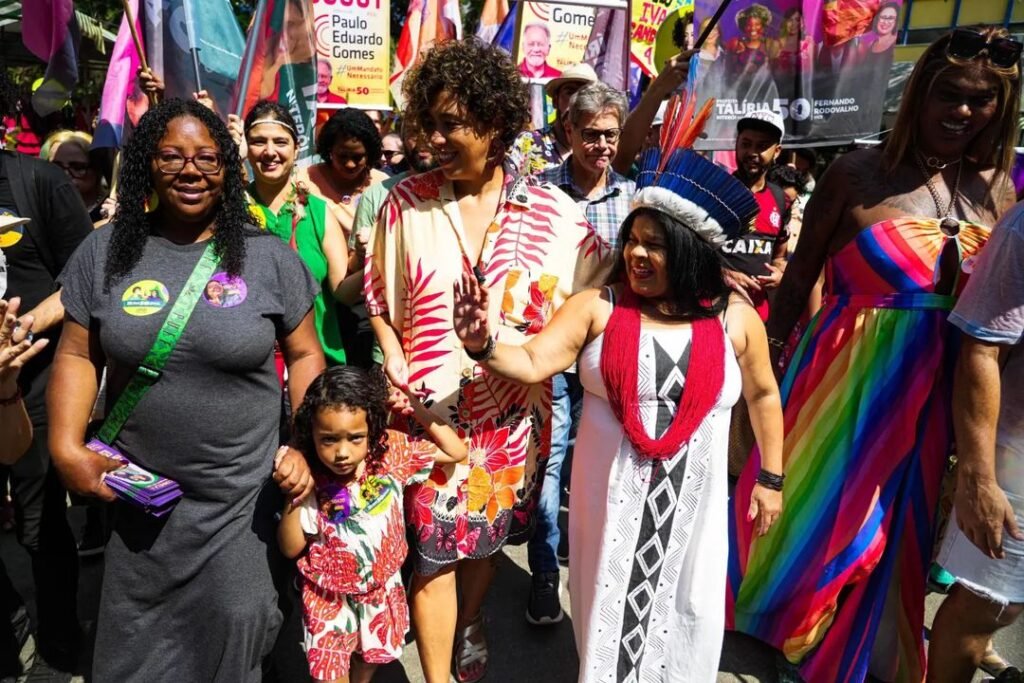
[(532, 247)]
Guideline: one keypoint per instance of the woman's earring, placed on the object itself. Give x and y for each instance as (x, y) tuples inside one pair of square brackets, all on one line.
[(152, 202)]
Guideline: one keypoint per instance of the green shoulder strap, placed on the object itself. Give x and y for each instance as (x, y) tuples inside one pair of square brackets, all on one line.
[(166, 339)]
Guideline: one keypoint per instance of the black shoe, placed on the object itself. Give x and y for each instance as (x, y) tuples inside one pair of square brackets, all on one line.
[(1010, 674), (544, 606), (43, 672)]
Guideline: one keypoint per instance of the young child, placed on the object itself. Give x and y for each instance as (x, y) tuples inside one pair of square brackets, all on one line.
[(353, 526)]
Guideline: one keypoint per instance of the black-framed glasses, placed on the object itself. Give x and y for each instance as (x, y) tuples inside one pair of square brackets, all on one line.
[(592, 135), (75, 169), (965, 43), (171, 163)]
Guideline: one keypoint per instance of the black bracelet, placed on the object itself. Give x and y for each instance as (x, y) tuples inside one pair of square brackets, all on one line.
[(484, 353), (770, 480)]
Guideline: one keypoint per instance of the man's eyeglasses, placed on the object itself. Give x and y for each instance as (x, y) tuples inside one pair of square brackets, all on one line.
[(592, 135), (389, 153), (967, 44), (172, 163), (76, 169)]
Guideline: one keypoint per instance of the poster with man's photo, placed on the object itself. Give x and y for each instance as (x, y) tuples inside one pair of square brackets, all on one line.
[(823, 65), (550, 38)]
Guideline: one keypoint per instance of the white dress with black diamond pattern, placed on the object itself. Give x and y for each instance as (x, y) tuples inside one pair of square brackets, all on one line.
[(649, 541)]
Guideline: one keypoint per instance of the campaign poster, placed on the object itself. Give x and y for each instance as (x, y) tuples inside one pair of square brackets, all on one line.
[(657, 27), (550, 38), (823, 65), (353, 53)]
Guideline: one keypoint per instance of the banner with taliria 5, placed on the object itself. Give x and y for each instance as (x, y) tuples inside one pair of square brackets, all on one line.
[(822, 64), (551, 37), (353, 48)]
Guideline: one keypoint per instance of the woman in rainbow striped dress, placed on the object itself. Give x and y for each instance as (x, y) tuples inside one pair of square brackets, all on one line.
[(838, 584)]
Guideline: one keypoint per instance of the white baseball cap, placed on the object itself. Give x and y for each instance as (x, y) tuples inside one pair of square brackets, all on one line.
[(575, 73), (763, 118)]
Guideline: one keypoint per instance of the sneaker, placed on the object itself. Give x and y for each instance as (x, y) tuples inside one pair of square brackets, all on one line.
[(544, 606), (563, 548)]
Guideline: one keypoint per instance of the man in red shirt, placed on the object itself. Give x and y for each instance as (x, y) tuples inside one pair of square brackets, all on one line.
[(535, 50), (755, 261)]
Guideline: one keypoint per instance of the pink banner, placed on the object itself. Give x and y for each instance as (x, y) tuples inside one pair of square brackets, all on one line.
[(121, 93)]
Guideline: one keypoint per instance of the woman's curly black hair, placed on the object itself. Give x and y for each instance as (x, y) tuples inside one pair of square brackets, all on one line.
[(345, 387), (269, 109), (346, 124), (132, 223), (482, 78)]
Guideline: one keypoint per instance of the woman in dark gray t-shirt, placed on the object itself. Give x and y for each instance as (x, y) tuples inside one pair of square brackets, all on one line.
[(187, 597)]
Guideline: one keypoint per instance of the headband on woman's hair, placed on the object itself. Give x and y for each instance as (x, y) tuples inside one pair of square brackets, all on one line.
[(277, 121)]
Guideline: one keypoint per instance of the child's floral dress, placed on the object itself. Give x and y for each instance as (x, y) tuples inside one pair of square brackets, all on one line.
[(352, 593)]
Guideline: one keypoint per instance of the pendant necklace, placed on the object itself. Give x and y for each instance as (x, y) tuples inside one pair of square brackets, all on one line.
[(937, 163), (948, 223)]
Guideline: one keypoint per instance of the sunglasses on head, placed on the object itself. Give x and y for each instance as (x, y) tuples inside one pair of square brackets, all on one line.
[(967, 44)]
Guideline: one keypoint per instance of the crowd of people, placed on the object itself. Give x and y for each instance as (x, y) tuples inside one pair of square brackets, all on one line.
[(371, 374)]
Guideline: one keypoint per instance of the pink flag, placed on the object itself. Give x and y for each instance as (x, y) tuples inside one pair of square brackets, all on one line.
[(50, 32), (121, 92)]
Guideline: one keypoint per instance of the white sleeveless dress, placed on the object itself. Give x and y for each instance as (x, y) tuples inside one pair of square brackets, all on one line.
[(647, 561)]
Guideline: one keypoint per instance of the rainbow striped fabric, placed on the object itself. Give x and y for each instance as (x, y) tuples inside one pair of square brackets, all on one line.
[(868, 430)]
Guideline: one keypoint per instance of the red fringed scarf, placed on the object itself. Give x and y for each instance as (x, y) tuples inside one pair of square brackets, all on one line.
[(704, 378)]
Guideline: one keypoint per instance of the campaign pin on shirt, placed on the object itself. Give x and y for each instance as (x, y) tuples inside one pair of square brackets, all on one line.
[(224, 291), (144, 297), (12, 228)]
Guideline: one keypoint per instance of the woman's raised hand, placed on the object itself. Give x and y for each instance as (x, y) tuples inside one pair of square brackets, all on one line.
[(469, 314), (16, 348), (237, 131)]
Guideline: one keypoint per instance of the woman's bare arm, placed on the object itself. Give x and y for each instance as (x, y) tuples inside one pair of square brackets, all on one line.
[(547, 353)]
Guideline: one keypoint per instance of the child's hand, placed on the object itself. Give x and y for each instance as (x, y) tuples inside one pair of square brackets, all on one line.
[(291, 472), (399, 401)]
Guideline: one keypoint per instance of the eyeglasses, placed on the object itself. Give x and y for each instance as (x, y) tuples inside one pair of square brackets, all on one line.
[(967, 44), (172, 163), (76, 169), (592, 135), (388, 153)]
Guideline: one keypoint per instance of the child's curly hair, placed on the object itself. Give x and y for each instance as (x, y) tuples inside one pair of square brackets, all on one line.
[(348, 388)]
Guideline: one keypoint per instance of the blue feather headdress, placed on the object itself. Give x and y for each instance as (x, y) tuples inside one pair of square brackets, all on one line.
[(683, 184)]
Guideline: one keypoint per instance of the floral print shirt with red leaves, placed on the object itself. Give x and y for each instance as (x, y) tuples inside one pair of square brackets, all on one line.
[(538, 250)]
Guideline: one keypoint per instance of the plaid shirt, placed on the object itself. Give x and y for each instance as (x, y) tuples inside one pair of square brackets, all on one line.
[(605, 212)]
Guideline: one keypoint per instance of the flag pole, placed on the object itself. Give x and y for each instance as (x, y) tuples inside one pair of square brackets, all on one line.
[(248, 57), (715, 18), (138, 42), (190, 32)]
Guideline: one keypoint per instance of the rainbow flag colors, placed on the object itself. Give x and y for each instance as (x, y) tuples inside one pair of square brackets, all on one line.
[(868, 431)]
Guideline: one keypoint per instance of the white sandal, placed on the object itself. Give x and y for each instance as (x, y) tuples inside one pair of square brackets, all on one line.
[(468, 653)]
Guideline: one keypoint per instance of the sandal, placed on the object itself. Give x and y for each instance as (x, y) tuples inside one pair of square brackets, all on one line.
[(470, 656), (992, 663)]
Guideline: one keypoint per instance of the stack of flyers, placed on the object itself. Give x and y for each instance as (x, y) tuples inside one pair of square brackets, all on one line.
[(153, 493)]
